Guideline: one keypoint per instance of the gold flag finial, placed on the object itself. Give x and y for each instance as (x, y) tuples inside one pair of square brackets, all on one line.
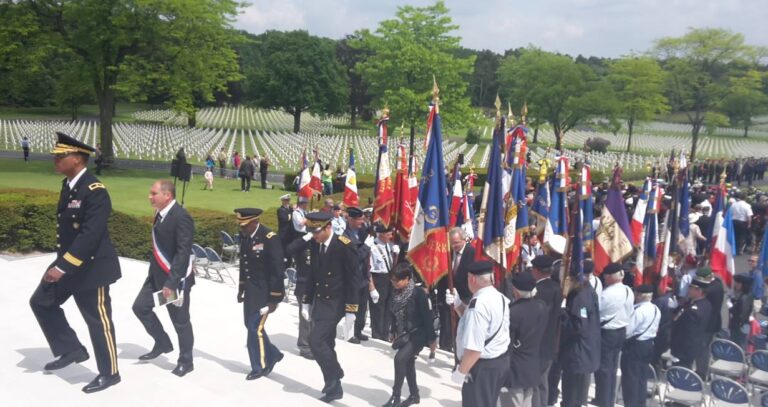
[(498, 110), (435, 94), (524, 112), (510, 115), (385, 112)]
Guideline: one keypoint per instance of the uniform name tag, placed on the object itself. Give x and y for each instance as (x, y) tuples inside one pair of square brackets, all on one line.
[(258, 247), (74, 204)]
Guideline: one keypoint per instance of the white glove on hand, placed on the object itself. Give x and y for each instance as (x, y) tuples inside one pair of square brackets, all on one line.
[(263, 310), (369, 241), (306, 310), (349, 326), (307, 237), (395, 249), (672, 302), (458, 377), (450, 299), (375, 296)]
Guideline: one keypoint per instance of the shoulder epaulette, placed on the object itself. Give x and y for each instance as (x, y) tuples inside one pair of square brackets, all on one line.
[(472, 303), (96, 185), (270, 234), (344, 239)]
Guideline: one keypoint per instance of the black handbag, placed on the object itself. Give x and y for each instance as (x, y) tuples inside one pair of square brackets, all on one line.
[(401, 340)]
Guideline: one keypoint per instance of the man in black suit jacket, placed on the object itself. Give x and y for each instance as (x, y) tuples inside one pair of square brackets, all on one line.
[(333, 292), (549, 291), (86, 264), (169, 270), (462, 255)]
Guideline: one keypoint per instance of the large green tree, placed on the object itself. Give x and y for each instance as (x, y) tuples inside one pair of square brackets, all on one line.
[(638, 90), (484, 85), (106, 36), (745, 99), (359, 102), (407, 52), (557, 89), (298, 73), (700, 65)]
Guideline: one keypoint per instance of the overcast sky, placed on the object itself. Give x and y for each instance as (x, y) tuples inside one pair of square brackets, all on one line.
[(607, 28)]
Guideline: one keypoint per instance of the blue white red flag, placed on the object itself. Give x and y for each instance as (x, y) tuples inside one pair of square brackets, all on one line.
[(613, 241), (490, 229)]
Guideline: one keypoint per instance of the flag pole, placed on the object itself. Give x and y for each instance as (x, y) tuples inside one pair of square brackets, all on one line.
[(384, 115)]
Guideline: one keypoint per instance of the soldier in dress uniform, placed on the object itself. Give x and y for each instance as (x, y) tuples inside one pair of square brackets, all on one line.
[(86, 264), (715, 293), (691, 325), (301, 262), (638, 349), (285, 230), (384, 255), (482, 340), (332, 294), (616, 305), (261, 288), (526, 323), (357, 233), (549, 291)]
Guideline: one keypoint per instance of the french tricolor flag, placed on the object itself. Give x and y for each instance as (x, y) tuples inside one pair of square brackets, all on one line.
[(641, 209), (724, 246)]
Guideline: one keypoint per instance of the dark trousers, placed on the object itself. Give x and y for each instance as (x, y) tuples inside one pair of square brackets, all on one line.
[(541, 392), (446, 334), (553, 382), (305, 327), (741, 231), (635, 358), (380, 320), (484, 386), (405, 368), (26, 153), (322, 339), (222, 168), (574, 391), (261, 351), (95, 306), (263, 180), (245, 183), (362, 310), (143, 308), (611, 341), (702, 360)]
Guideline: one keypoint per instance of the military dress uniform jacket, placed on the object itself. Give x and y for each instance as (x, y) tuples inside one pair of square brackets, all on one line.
[(580, 344), (363, 254), (261, 269), (84, 251), (549, 291), (526, 329), (333, 283), (174, 236), (285, 228), (690, 330)]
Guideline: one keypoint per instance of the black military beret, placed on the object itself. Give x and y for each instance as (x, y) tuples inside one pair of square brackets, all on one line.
[(743, 278), (380, 228), (480, 267), (247, 215), (336, 207), (699, 284), (589, 266), (542, 262), (318, 220), (354, 212), (523, 281), (612, 268), (66, 144), (645, 289)]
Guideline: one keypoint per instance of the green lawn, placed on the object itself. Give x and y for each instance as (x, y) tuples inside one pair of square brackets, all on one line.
[(129, 188)]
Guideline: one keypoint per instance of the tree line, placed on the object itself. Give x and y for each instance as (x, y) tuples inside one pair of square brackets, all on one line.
[(185, 54)]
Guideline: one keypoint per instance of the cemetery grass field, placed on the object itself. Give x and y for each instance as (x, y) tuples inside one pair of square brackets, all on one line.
[(129, 188)]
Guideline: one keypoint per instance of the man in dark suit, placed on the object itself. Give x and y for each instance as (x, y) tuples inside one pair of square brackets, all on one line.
[(690, 328), (85, 266), (332, 291), (526, 330), (246, 172), (715, 293), (170, 270), (263, 168), (285, 230), (547, 290), (261, 288), (462, 255)]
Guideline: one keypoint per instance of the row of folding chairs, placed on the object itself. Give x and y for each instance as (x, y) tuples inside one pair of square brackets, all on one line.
[(208, 264)]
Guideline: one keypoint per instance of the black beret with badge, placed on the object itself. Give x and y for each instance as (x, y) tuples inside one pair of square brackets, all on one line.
[(316, 221), (247, 215), (542, 262), (612, 268), (479, 268), (66, 145), (645, 289), (523, 281)]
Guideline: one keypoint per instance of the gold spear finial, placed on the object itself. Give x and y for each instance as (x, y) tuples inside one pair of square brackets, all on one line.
[(722, 178), (435, 94), (385, 112), (498, 110), (524, 112), (510, 115)]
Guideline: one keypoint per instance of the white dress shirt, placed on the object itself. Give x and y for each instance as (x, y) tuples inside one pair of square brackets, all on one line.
[(165, 210), (742, 211), (298, 221), (486, 314), (71, 183)]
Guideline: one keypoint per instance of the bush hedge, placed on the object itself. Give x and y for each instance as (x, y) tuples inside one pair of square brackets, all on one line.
[(27, 223)]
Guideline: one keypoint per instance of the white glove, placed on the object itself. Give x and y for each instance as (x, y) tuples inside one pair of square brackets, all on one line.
[(369, 241), (672, 302), (307, 237), (263, 310), (395, 249), (349, 326), (450, 298), (306, 310), (458, 377), (375, 296)]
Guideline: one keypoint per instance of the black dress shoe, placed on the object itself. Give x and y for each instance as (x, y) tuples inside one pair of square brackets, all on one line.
[(354, 340), (267, 370), (76, 356), (362, 337), (393, 401), (334, 392), (101, 382), (183, 368), (155, 352), (411, 400), (254, 375)]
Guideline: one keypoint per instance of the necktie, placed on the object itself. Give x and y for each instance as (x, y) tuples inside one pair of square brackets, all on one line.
[(323, 248), (158, 219), (456, 258)]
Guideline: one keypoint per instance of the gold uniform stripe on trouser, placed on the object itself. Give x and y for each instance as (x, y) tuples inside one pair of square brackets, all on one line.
[(260, 334), (107, 331)]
